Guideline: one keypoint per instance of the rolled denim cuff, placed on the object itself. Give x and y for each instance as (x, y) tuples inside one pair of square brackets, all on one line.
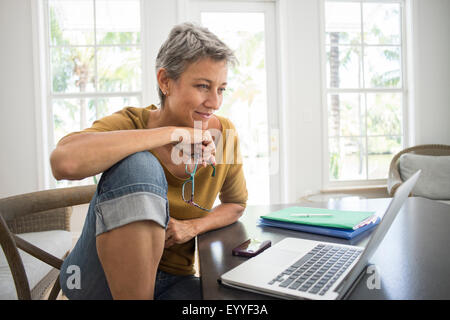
[(136, 206)]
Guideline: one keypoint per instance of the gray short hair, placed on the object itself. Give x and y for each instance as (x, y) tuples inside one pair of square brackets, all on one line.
[(188, 43)]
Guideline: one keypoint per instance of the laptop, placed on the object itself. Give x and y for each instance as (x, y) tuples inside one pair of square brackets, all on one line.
[(305, 269)]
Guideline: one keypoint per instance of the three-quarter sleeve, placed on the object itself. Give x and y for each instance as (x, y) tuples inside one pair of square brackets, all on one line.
[(126, 119), (234, 188)]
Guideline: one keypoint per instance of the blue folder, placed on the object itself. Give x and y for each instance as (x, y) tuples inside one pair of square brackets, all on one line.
[(327, 231)]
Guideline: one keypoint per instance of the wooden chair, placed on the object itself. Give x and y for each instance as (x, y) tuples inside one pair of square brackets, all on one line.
[(36, 214), (394, 178)]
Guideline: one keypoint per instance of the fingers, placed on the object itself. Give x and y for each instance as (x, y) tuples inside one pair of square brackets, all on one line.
[(201, 154), (178, 232), (207, 138), (208, 149), (169, 240), (208, 155), (174, 233), (195, 146)]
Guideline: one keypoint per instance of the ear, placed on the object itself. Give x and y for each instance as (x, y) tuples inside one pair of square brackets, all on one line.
[(163, 80)]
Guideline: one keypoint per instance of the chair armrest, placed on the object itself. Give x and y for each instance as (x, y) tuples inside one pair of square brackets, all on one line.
[(392, 186), (394, 179)]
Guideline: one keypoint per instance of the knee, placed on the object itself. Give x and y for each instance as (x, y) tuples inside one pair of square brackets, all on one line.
[(143, 163), (139, 167)]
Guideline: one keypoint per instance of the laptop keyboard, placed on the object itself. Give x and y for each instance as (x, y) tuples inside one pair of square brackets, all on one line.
[(318, 270)]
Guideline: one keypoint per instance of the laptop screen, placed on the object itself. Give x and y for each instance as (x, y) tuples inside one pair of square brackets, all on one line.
[(396, 203)]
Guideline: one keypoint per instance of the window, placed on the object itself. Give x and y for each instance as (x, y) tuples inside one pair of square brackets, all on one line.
[(94, 62), (364, 90)]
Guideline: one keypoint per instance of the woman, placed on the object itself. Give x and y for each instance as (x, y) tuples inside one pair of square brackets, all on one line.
[(129, 248)]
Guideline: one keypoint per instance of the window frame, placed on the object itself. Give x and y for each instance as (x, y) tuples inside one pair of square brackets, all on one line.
[(327, 183)]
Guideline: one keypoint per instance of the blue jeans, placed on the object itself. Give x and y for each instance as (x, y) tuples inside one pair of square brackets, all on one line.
[(134, 189)]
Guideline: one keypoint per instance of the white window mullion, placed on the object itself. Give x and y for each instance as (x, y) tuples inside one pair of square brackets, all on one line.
[(95, 49), (95, 95), (97, 45), (366, 90), (50, 124), (366, 151), (147, 81), (406, 114)]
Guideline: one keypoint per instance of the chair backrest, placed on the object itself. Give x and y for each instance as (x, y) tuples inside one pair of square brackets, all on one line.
[(21, 205), (394, 178), (54, 219)]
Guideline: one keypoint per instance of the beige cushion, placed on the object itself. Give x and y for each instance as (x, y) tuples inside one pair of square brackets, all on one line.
[(55, 242), (434, 181)]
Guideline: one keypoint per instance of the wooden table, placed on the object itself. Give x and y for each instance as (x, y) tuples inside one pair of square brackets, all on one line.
[(412, 262)]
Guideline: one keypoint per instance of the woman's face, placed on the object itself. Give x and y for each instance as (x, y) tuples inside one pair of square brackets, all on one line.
[(198, 93)]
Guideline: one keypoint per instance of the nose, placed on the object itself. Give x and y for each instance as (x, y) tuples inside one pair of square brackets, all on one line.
[(213, 100)]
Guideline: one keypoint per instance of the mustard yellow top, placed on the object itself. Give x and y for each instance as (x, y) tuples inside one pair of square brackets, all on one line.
[(228, 182)]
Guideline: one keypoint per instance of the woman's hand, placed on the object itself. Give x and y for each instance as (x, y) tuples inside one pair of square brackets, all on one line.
[(179, 231), (193, 144)]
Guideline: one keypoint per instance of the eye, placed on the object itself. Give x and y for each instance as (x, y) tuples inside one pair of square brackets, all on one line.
[(203, 86), (222, 90)]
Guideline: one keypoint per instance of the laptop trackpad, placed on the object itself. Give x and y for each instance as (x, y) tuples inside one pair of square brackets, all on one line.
[(276, 257), (286, 251)]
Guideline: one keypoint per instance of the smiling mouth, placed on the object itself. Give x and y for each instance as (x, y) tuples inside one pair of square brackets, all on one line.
[(204, 115)]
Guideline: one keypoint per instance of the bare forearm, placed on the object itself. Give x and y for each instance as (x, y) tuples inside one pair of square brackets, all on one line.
[(222, 215), (181, 231), (87, 154)]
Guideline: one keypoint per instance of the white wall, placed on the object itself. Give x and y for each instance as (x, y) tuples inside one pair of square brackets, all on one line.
[(157, 27), (301, 121), (18, 171), (300, 85), (431, 63)]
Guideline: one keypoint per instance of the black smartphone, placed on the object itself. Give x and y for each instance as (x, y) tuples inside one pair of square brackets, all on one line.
[(251, 248)]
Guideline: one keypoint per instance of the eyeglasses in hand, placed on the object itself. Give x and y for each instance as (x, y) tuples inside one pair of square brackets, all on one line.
[(186, 187)]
